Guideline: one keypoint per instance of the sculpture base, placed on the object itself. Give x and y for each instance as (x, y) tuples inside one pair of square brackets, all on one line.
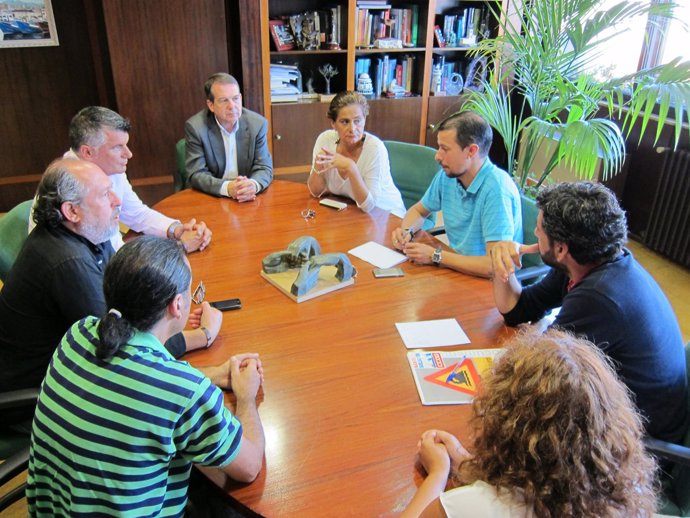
[(326, 283)]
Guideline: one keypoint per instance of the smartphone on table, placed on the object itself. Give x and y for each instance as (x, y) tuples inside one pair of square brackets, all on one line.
[(388, 272), (227, 304)]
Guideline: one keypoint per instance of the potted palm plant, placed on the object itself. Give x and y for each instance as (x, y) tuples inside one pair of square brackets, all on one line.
[(543, 57)]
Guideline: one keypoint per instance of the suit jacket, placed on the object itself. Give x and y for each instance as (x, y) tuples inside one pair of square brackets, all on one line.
[(205, 153)]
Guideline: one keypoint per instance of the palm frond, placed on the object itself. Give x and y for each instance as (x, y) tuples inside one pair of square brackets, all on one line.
[(666, 86), (581, 146), (494, 105), (549, 54)]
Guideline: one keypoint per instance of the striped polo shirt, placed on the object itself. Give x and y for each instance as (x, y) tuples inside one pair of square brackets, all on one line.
[(119, 436), (488, 210)]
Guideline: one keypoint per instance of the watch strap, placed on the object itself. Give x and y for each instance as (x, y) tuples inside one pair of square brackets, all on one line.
[(208, 336), (171, 229)]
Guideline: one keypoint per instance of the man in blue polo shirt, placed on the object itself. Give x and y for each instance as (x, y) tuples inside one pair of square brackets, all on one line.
[(480, 202)]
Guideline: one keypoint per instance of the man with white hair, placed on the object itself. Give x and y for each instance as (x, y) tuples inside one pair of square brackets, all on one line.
[(57, 278)]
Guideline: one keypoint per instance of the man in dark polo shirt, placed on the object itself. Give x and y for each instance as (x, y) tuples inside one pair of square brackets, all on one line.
[(57, 278), (604, 295)]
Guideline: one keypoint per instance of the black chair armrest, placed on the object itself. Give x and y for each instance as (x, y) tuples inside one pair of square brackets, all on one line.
[(13, 496), (18, 398), (526, 274), (10, 468), (19, 460), (437, 231), (532, 272), (14, 464), (668, 450)]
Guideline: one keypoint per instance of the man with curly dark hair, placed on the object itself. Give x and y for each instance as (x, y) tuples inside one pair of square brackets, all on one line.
[(556, 435), (604, 295)]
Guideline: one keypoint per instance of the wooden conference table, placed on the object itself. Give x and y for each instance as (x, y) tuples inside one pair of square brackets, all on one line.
[(339, 405)]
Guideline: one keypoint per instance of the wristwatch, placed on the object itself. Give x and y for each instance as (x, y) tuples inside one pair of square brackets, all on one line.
[(171, 229), (208, 336), (436, 256)]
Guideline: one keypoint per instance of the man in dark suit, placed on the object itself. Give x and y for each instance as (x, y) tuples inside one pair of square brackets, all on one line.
[(226, 148)]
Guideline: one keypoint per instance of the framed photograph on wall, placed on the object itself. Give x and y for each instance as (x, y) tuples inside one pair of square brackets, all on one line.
[(27, 24), (282, 37)]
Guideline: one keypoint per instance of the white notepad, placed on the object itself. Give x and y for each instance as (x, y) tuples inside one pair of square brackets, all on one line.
[(378, 255), (432, 333)]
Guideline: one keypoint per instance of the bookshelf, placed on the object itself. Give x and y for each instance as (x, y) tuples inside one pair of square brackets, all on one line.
[(395, 115)]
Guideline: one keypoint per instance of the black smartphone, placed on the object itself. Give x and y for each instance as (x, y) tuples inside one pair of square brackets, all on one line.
[(227, 305)]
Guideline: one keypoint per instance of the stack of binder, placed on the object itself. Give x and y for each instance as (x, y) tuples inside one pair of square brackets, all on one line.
[(286, 83)]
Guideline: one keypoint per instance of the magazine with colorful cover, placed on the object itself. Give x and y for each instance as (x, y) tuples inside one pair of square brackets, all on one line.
[(449, 377)]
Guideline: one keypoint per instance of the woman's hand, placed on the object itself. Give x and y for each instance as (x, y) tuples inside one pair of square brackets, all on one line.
[(456, 451), (326, 160), (433, 454)]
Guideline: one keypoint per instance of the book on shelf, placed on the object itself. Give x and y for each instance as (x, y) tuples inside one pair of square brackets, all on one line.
[(461, 27), (440, 41), (374, 4), (285, 97), (449, 30), (377, 76), (414, 22), (443, 70), (402, 27), (471, 22), (385, 71), (371, 25), (405, 29), (308, 30), (386, 22), (362, 66), (286, 83)]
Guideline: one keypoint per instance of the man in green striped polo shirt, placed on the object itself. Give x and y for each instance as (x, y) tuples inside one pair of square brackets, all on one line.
[(119, 421)]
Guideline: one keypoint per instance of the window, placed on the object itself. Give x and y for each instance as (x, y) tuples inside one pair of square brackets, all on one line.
[(678, 35), (621, 54), (632, 45)]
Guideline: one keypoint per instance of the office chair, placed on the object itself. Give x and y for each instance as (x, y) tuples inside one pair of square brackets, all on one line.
[(412, 168), (14, 446), (675, 497), (181, 171), (14, 228)]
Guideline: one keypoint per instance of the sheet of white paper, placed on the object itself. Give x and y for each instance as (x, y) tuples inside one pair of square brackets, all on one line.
[(378, 255), (432, 333)]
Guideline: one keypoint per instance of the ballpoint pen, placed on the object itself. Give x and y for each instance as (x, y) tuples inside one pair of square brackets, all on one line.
[(456, 370)]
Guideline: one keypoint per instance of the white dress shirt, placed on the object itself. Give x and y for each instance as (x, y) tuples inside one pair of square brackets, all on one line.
[(133, 212), (231, 170)]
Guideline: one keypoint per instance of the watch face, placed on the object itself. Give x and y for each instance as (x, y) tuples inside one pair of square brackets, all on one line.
[(436, 258)]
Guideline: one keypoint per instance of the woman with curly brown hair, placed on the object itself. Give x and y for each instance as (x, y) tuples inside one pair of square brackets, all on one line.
[(556, 435)]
